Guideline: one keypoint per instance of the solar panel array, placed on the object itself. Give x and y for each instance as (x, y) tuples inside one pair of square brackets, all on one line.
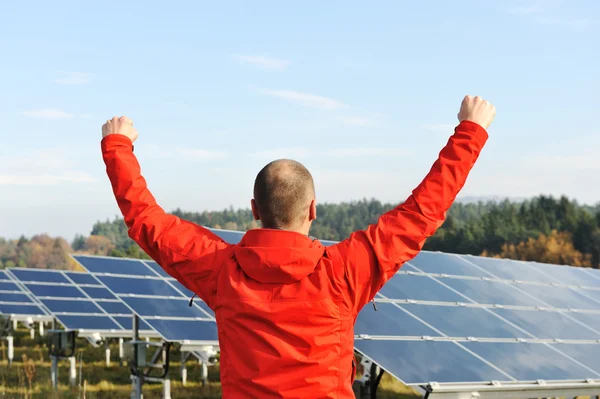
[(77, 300), (159, 300), (452, 318), (441, 318), (16, 303)]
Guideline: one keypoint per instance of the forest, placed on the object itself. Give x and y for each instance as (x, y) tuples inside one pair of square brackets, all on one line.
[(543, 229)]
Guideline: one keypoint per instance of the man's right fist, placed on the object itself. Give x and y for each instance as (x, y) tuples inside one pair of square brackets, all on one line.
[(122, 125), (476, 109)]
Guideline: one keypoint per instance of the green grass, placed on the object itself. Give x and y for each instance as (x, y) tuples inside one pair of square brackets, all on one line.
[(29, 375)]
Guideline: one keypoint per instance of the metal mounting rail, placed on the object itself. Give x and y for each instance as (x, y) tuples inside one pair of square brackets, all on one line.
[(512, 390)]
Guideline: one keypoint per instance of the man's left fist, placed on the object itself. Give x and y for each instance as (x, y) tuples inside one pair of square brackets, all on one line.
[(122, 125)]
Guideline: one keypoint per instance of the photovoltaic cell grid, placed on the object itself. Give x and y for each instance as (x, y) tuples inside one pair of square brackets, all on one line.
[(479, 319), (453, 318), (16, 303), (77, 300), (158, 299)]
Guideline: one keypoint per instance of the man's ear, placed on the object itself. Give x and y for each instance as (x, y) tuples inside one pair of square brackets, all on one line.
[(312, 211), (254, 209)]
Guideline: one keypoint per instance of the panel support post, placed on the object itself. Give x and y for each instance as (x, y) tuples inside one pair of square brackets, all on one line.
[(15, 324), (166, 389), (32, 332), (184, 357), (204, 375), (136, 385), (54, 371), (120, 351), (41, 328), (107, 352), (72, 371), (11, 349)]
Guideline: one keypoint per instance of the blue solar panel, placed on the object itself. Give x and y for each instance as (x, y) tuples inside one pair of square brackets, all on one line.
[(66, 306), (420, 288), (389, 320), (114, 307), (159, 301), (587, 354), (58, 291), (456, 321), (185, 330), (530, 361), (15, 297), (231, 237), (21, 309), (564, 274), (90, 323), (508, 269), (163, 307), (71, 304), (98, 292), (14, 301), (560, 297), (548, 325), (47, 276), (421, 362), (6, 286), (114, 265), (440, 263), (489, 292), (137, 286), (156, 267), (82, 278)]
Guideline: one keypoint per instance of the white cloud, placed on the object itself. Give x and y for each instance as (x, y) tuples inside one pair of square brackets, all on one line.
[(308, 100), (356, 121), (74, 78), (48, 113), (263, 62), (200, 154), (539, 11), (440, 127), (43, 167), (304, 152)]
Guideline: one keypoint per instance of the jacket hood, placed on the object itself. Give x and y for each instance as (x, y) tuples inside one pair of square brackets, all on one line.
[(277, 256)]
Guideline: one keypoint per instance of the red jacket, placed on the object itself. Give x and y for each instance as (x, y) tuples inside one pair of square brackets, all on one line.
[(286, 305)]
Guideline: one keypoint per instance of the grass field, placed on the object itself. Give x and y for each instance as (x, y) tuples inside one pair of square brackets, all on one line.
[(29, 375)]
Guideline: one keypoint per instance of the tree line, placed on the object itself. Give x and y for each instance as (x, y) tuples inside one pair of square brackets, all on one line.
[(543, 229)]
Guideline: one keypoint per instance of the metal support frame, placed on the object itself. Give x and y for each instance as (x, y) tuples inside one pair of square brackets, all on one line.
[(369, 381), (136, 353), (61, 345), (513, 390), (41, 328)]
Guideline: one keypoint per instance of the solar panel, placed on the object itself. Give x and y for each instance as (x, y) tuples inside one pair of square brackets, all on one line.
[(526, 321), (158, 299), (16, 303), (73, 299)]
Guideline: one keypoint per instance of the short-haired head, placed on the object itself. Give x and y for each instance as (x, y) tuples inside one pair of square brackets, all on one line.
[(284, 196)]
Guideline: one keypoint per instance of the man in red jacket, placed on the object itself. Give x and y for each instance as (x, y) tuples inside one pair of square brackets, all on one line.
[(285, 305)]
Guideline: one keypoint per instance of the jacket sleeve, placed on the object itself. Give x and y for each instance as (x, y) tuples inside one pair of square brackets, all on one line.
[(186, 251), (371, 257)]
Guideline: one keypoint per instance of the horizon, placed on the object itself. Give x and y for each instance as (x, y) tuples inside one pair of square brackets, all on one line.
[(366, 109)]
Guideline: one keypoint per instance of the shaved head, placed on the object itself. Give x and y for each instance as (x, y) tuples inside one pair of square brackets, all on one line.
[(283, 191)]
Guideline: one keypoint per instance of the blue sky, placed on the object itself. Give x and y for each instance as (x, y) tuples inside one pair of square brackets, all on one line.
[(364, 93)]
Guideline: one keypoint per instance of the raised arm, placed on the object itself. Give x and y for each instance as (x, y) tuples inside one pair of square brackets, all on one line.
[(371, 257), (185, 250)]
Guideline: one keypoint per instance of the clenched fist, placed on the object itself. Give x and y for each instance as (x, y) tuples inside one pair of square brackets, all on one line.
[(476, 109), (122, 125)]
